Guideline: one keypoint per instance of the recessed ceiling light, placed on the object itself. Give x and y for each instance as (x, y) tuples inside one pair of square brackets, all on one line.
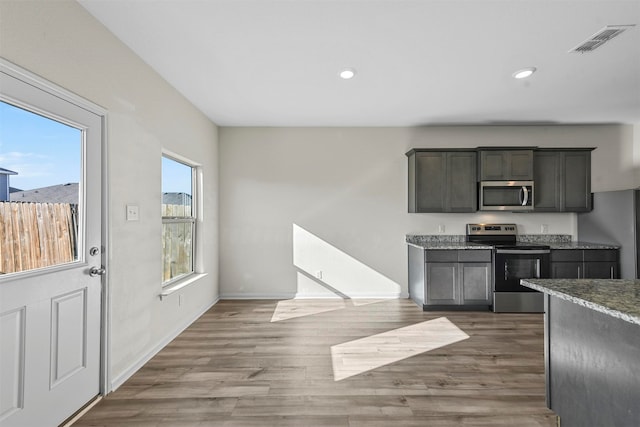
[(347, 73), (524, 73)]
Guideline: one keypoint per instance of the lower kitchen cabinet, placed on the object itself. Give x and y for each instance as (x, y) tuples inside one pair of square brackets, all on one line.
[(443, 288), (584, 264), (450, 279), (475, 283)]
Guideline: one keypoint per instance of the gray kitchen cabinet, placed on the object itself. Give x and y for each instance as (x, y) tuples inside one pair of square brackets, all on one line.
[(506, 165), (562, 180), (441, 286), (475, 283), (567, 270), (546, 181), (584, 264), (577, 181), (450, 279), (442, 181), (601, 264)]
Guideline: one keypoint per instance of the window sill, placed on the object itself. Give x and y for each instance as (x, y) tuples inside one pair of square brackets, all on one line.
[(181, 284)]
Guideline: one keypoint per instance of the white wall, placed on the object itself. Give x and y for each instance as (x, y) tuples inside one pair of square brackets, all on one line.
[(636, 153), (60, 41), (298, 201)]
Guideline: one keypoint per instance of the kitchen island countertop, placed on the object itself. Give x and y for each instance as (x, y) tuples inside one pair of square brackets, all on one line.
[(615, 297)]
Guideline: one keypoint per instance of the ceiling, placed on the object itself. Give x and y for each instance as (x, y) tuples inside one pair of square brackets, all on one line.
[(418, 63)]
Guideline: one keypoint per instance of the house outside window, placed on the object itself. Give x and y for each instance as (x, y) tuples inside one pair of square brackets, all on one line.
[(178, 219)]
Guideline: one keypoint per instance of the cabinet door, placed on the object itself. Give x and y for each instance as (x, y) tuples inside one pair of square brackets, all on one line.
[(577, 181), (506, 165), (567, 270), (547, 181), (475, 279), (520, 164), (430, 181), (461, 190), (493, 165), (441, 286), (600, 270)]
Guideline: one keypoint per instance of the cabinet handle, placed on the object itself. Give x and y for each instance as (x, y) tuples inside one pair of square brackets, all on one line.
[(578, 272), (612, 275)]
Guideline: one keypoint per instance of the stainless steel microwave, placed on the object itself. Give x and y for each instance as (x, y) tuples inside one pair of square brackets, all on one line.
[(506, 195)]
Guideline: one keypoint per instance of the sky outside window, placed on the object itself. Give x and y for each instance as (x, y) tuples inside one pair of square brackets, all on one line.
[(45, 152), (42, 151), (176, 177)]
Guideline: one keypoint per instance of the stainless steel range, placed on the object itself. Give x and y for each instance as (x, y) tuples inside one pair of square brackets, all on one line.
[(512, 261)]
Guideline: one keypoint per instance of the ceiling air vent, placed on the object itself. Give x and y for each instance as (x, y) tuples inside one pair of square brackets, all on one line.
[(600, 38)]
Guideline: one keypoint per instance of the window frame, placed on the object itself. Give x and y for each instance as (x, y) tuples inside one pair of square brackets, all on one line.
[(193, 219)]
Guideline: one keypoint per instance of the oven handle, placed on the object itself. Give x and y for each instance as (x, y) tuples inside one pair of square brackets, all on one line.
[(523, 251)]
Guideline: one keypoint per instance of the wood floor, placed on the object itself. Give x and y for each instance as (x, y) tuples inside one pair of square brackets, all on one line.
[(270, 363)]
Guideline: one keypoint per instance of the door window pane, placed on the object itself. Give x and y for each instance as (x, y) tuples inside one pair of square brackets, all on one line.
[(178, 220), (40, 170)]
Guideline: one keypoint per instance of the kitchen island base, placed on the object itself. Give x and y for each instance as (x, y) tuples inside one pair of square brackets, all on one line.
[(592, 362)]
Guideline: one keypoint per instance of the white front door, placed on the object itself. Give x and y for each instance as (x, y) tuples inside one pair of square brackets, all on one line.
[(50, 306)]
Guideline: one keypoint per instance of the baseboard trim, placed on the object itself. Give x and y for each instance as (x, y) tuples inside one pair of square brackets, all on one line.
[(120, 379), (257, 296), (309, 296)]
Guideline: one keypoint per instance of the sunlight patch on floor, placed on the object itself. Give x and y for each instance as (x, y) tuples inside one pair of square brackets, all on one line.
[(355, 357), (293, 308)]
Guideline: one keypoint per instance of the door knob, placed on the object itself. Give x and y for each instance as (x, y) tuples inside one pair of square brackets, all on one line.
[(95, 271)]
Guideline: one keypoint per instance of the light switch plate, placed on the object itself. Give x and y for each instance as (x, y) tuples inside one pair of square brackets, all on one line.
[(132, 213)]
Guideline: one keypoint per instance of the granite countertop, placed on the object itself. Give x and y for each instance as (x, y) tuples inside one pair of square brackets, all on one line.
[(582, 245), (448, 245), (617, 298), (444, 242), (458, 241)]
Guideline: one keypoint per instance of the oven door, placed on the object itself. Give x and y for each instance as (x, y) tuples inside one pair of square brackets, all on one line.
[(511, 265)]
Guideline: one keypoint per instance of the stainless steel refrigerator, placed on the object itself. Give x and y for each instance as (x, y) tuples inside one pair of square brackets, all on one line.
[(615, 220)]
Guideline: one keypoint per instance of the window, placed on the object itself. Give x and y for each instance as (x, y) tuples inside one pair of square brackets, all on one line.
[(178, 219), (40, 177)]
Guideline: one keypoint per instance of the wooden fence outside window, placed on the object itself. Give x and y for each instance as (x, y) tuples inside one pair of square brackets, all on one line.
[(177, 241), (36, 235)]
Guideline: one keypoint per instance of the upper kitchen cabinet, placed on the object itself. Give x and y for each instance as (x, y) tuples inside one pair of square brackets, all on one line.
[(442, 181), (562, 180), (506, 165)]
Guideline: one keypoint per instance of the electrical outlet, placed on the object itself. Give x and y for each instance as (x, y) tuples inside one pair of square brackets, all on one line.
[(440, 228), (180, 300), (319, 274), (544, 228)]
